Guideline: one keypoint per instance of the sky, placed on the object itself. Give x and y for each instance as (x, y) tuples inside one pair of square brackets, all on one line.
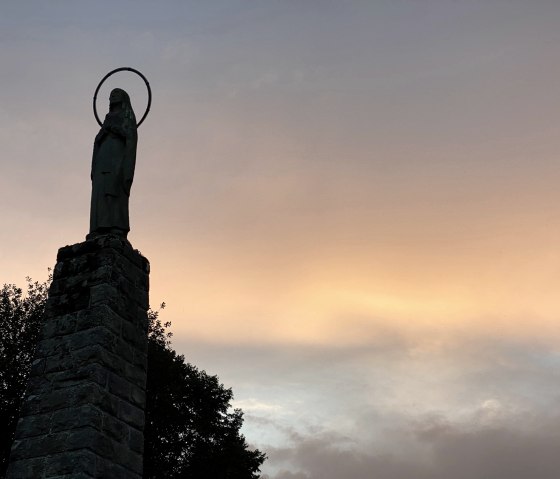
[(351, 210)]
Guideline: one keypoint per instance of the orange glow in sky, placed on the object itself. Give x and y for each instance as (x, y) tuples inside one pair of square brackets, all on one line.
[(350, 208)]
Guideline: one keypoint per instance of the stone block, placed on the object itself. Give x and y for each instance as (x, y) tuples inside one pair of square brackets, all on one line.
[(51, 346), (79, 475), (92, 439), (87, 373), (138, 396), (26, 469), (143, 282), (99, 336), (91, 394), (115, 429), (95, 354), (108, 469), (33, 426), (38, 367), (72, 462), (135, 375), (38, 385), (132, 415), (107, 402), (77, 395), (125, 350), (59, 326), (74, 418), (103, 294), (119, 386), (38, 446), (44, 403), (127, 288), (136, 440), (59, 362), (100, 315), (131, 460), (132, 334), (140, 359), (66, 304)]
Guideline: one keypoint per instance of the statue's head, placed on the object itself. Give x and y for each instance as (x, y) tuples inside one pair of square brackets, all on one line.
[(120, 101), (119, 97)]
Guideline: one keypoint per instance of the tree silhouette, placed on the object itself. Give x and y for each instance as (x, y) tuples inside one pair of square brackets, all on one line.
[(20, 323), (191, 430)]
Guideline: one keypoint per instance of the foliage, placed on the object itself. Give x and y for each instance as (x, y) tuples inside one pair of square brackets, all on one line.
[(20, 323), (190, 428)]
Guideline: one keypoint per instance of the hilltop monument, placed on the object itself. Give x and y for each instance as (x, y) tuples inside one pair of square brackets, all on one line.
[(83, 411)]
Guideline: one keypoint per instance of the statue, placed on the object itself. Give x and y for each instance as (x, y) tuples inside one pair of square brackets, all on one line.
[(113, 161), (112, 168)]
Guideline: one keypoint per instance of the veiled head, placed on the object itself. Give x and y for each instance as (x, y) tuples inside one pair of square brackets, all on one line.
[(118, 95), (120, 101)]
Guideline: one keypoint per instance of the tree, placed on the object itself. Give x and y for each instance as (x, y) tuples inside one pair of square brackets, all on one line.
[(20, 323), (191, 431)]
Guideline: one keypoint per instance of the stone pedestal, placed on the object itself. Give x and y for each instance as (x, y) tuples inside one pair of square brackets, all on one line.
[(83, 414)]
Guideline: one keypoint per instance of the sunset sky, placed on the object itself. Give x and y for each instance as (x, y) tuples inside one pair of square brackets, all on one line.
[(351, 209)]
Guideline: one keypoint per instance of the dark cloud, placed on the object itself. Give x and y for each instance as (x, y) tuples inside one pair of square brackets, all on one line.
[(449, 451), (476, 406)]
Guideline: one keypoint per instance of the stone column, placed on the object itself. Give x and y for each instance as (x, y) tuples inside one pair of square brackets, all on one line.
[(83, 412)]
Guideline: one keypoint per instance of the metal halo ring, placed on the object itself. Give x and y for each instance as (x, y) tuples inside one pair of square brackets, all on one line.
[(120, 70)]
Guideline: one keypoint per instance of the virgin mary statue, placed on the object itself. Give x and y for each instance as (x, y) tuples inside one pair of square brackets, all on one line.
[(112, 168)]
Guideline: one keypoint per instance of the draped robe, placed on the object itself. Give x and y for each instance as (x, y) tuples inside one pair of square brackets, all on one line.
[(112, 172)]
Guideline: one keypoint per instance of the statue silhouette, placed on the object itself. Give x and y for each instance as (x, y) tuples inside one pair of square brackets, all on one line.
[(112, 168)]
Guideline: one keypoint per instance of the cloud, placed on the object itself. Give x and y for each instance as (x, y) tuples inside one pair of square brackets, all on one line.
[(464, 407), (443, 450)]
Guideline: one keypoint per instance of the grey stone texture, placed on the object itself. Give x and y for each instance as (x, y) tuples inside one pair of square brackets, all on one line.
[(83, 412)]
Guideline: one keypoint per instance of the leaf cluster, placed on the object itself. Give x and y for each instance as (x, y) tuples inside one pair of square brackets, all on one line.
[(20, 324)]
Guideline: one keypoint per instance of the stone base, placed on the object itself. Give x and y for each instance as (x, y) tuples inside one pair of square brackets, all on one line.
[(83, 413)]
